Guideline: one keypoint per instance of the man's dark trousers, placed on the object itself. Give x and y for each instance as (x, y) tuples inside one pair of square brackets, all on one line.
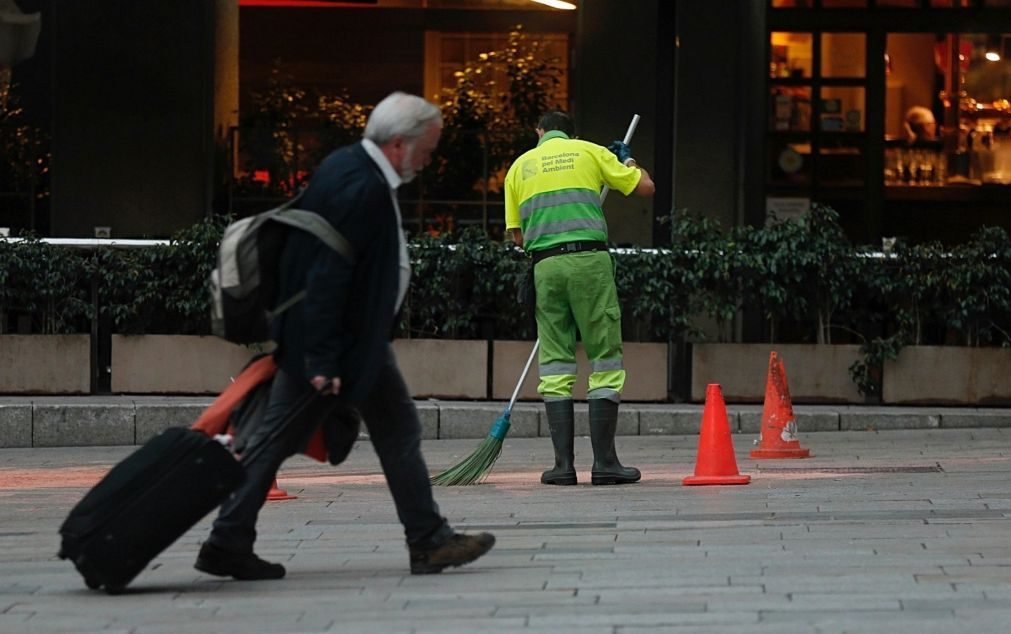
[(395, 431)]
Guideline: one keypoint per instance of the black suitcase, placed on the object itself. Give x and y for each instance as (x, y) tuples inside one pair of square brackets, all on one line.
[(145, 503), (155, 495)]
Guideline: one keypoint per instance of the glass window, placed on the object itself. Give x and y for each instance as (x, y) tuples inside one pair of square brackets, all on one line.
[(843, 55), (841, 165), (789, 163), (902, 4), (947, 4), (790, 55), (844, 4), (791, 4), (446, 54), (790, 108), (842, 109), (933, 138), (913, 78)]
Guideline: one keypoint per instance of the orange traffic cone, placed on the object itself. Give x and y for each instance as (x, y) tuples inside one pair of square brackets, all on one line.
[(276, 493), (715, 463), (778, 435)]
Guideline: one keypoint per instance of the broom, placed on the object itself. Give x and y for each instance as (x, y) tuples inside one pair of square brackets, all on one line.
[(475, 467)]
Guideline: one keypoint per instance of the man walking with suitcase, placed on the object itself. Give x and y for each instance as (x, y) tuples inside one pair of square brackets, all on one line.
[(337, 340)]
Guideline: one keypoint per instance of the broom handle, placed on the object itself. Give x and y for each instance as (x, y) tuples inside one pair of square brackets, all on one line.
[(523, 377), (603, 194), (628, 139)]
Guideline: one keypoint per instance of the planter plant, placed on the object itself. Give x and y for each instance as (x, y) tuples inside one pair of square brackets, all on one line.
[(808, 284)]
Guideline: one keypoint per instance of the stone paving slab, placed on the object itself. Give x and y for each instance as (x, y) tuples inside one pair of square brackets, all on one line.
[(794, 551)]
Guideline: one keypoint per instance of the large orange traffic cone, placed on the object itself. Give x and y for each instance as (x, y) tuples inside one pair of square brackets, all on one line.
[(715, 463), (778, 435), (276, 493)]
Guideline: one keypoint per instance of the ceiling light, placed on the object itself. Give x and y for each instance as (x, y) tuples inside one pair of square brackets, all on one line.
[(557, 4), (992, 49)]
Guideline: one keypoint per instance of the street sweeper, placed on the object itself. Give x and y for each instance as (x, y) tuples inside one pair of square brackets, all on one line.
[(553, 210)]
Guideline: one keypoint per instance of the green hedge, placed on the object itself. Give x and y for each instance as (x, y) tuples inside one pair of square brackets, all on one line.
[(800, 279)]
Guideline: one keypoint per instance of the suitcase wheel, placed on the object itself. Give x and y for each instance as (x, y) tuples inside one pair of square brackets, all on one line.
[(114, 588), (92, 583)]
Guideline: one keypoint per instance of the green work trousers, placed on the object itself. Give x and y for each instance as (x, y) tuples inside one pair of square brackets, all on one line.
[(576, 294)]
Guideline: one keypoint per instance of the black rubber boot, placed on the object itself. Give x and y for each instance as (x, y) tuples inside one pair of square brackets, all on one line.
[(562, 423), (603, 425)]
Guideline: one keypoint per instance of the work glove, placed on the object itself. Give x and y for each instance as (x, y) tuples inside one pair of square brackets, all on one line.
[(621, 150)]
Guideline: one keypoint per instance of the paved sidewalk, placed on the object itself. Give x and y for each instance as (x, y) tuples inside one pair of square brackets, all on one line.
[(891, 531), (76, 421)]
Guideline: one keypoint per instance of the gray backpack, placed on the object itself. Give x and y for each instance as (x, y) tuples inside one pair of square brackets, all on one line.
[(244, 286)]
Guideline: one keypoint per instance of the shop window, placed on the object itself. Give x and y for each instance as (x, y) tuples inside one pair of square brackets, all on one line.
[(791, 55), (448, 53), (842, 109), (790, 107), (912, 79), (843, 4), (841, 155), (843, 55), (903, 4), (791, 4), (789, 163), (934, 139), (841, 165), (818, 112)]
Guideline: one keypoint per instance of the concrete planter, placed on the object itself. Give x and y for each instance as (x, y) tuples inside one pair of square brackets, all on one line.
[(45, 364), (816, 373), (948, 375), (645, 366), (175, 364), (444, 368)]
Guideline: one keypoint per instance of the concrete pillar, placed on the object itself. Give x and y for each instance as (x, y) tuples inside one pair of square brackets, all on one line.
[(615, 77), (143, 96)]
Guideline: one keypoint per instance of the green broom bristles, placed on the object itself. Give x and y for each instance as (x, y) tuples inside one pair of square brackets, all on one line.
[(475, 467)]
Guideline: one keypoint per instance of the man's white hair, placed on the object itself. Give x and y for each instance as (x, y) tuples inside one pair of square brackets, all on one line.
[(403, 115)]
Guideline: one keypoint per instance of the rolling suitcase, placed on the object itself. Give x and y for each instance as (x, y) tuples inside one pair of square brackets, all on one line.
[(149, 500), (144, 504)]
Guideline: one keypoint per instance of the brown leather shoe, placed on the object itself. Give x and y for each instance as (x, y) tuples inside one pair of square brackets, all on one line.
[(245, 567), (455, 551)]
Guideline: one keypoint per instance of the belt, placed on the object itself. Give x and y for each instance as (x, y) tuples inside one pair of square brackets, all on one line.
[(568, 247)]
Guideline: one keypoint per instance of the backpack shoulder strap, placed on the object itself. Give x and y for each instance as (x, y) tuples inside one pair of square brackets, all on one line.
[(291, 201), (318, 226)]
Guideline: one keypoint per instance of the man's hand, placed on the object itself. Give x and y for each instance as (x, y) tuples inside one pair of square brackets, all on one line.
[(621, 150), (319, 382)]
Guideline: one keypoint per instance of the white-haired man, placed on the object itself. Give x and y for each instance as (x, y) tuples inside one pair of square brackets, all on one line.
[(337, 338)]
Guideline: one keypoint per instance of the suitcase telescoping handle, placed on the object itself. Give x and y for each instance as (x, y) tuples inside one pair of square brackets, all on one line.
[(293, 417)]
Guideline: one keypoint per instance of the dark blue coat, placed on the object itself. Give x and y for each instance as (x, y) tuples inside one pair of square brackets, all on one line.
[(343, 325)]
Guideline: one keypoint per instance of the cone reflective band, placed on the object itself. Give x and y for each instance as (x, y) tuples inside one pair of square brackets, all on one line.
[(778, 435), (715, 463)]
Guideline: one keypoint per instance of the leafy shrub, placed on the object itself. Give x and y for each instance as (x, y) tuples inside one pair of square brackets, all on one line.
[(46, 282), (464, 286), (800, 272)]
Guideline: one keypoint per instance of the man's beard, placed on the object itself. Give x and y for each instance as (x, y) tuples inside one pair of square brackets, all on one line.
[(407, 174)]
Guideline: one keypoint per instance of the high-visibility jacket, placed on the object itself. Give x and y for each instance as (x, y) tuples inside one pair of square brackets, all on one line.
[(552, 192)]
